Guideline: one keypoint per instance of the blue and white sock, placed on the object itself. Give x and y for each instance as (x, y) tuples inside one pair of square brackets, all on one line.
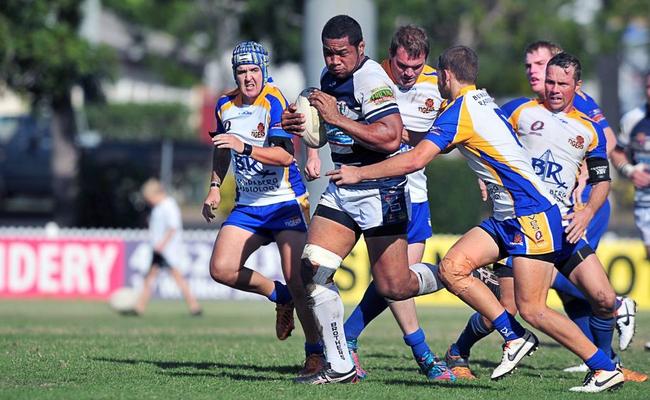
[(280, 294), (508, 326), (600, 361), (603, 331), (473, 332), (418, 344)]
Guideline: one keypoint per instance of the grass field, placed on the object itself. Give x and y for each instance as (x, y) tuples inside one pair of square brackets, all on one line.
[(73, 350)]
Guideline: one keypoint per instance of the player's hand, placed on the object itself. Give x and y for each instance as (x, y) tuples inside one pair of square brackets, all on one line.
[(640, 177), (292, 121), (228, 141), (346, 175), (483, 188), (211, 203), (326, 106), (580, 218), (312, 168)]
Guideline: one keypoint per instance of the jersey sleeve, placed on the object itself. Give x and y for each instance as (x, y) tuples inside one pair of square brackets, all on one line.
[(374, 91), (628, 122), (277, 104), (217, 113), (509, 110), (588, 106), (598, 146), (444, 130)]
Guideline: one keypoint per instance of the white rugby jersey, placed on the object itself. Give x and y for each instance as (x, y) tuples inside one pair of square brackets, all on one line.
[(634, 139), (481, 132), (418, 107), (365, 97), (258, 184), (557, 144)]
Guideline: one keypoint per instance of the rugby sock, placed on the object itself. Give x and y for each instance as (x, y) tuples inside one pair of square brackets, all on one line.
[(600, 361), (508, 326), (428, 278), (328, 312), (371, 305), (579, 311), (562, 284), (473, 332), (603, 331), (280, 294), (417, 341), (313, 348)]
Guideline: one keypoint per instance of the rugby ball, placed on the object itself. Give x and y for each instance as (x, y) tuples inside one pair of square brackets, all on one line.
[(123, 300), (314, 134)]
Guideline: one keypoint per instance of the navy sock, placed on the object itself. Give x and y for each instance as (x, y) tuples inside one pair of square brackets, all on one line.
[(508, 326), (600, 361), (372, 304), (579, 311), (280, 294), (313, 348), (603, 330), (417, 341), (473, 332), (563, 285)]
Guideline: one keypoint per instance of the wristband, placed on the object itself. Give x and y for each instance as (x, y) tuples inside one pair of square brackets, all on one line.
[(248, 149), (215, 184), (627, 169)]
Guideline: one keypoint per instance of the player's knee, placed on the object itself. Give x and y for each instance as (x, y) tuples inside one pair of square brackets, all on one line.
[(604, 303), (455, 271), (533, 313), (318, 266), (221, 273), (391, 290)]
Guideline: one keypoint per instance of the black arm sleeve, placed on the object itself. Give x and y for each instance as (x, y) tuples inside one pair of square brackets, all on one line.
[(283, 142), (598, 170)]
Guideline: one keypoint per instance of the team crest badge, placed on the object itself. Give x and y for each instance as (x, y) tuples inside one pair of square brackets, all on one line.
[(428, 106), (259, 132), (578, 142)]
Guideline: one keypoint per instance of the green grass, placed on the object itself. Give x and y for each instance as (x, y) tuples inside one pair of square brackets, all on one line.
[(74, 350)]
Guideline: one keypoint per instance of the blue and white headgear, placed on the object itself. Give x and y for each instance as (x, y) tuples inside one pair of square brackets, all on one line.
[(250, 52)]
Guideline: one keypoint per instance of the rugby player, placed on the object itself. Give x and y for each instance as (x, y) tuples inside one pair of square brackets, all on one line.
[(526, 223)]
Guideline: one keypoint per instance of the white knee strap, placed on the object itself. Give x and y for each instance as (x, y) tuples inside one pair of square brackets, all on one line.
[(327, 262)]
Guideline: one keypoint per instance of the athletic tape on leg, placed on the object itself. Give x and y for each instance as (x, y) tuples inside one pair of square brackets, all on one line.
[(428, 278), (327, 262)]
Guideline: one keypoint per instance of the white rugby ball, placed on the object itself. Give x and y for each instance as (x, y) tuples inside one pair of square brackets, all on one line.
[(123, 299), (314, 134)]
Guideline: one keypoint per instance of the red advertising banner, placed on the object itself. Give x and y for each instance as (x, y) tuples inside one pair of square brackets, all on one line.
[(62, 268)]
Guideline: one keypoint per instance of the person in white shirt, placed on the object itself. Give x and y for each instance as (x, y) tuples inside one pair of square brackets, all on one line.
[(165, 235)]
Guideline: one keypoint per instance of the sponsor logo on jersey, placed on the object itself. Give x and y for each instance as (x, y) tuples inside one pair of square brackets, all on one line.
[(548, 170), (578, 142), (226, 125), (517, 240), (537, 126), (428, 107), (382, 95), (291, 222), (259, 132)]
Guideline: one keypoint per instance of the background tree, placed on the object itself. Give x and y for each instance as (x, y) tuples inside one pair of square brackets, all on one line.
[(42, 56)]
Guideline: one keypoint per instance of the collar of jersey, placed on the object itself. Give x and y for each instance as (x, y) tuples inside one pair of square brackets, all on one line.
[(466, 89), (239, 98)]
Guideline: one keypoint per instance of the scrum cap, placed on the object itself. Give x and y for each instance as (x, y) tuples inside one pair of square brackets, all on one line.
[(251, 52)]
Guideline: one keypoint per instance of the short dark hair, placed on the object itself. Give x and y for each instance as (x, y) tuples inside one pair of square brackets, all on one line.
[(462, 61), (565, 60), (412, 39), (341, 26), (554, 48)]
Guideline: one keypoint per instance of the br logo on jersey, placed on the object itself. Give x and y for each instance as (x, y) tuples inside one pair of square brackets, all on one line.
[(382, 95), (428, 107), (546, 168), (259, 132), (578, 142), (246, 164)]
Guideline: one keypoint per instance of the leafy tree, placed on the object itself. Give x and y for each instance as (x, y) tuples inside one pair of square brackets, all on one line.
[(42, 55)]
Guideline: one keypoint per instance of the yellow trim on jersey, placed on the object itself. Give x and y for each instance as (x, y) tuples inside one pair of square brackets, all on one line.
[(304, 204), (514, 117), (530, 225), (432, 79)]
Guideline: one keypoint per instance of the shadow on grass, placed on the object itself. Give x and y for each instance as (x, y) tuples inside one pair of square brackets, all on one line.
[(449, 385), (168, 365), (237, 377)]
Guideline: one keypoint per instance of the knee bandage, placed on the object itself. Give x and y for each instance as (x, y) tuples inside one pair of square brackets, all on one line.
[(323, 262), (455, 270)]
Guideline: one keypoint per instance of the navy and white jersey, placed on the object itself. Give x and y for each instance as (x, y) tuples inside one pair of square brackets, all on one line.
[(365, 97), (634, 139), (258, 184)]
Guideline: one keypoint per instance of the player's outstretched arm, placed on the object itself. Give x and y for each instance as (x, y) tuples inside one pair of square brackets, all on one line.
[(401, 164)]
